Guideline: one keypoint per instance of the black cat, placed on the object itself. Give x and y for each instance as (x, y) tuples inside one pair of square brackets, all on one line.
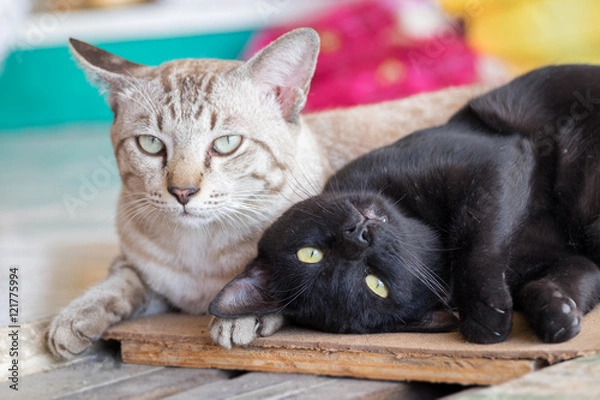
[(499, 205)]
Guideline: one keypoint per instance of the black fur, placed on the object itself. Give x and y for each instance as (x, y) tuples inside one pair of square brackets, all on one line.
[(498, 208)]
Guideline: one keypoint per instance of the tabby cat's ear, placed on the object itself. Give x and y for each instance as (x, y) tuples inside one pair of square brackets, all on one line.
[(244, 295), (285, 68), (103, 66)]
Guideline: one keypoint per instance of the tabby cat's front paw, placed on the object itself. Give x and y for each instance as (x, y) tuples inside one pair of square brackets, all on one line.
[(228, 332), (72, 331)]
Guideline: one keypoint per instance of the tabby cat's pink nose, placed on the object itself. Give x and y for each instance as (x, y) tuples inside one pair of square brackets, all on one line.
[(183, 194)]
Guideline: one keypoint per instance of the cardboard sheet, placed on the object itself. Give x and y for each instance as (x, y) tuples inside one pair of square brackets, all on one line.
[(183, 340)]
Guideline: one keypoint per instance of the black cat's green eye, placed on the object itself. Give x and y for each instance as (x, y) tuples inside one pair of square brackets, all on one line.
[(309, 255), (376, 286), (150, 144), (227, 144)]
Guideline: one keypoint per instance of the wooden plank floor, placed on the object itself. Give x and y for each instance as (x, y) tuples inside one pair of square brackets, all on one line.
[(101, 374)]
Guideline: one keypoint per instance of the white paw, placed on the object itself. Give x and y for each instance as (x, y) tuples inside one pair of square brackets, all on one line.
[(228, 332)]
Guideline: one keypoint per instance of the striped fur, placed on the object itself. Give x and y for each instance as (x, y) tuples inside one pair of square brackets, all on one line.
[(172, 259)]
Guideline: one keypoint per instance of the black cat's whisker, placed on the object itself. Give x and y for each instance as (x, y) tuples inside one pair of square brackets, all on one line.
[(396, 202), (425, 275), (316, 216), (418, 268), (290, 299), (324, 207)]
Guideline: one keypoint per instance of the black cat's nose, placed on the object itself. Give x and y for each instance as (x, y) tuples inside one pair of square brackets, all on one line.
[(359, 235), (183, 194)]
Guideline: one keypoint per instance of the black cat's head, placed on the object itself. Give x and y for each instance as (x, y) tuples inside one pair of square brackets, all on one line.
[(348, 263)]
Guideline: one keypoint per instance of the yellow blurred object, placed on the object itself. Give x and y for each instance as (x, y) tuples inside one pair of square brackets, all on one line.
[(528, 34)]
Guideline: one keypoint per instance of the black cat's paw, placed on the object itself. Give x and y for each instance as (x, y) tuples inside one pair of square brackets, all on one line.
[(487, 322), (553, 315)]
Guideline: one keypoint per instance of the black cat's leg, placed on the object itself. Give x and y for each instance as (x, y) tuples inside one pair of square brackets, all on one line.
[(482, 296), (483, 228), (555, 303)]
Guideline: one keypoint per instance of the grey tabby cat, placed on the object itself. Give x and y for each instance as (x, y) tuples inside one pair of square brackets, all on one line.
[(210, 152)]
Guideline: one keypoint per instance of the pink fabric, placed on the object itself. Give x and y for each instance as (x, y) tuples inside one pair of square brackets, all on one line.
[(367, 56)]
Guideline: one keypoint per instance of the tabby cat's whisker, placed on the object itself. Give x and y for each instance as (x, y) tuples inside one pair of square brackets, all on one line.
[(229, 218), (137, 101), (131, 213), (304, 191), (309, 182), (299, 187), (135, 82)]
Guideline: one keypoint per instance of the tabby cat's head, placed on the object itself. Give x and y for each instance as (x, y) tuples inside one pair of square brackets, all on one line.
[(348, 263), (201, 140)]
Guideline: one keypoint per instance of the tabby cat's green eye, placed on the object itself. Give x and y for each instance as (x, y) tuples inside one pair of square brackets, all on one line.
[(309, 255), (150, 144), (227, 144), (376, 286)]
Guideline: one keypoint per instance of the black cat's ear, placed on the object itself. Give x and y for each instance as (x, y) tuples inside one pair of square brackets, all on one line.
[(285, 68), (435, 321), (102, 66), (244, 295)]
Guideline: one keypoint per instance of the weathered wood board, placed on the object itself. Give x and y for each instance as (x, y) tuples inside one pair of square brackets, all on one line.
[(183, 340)]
